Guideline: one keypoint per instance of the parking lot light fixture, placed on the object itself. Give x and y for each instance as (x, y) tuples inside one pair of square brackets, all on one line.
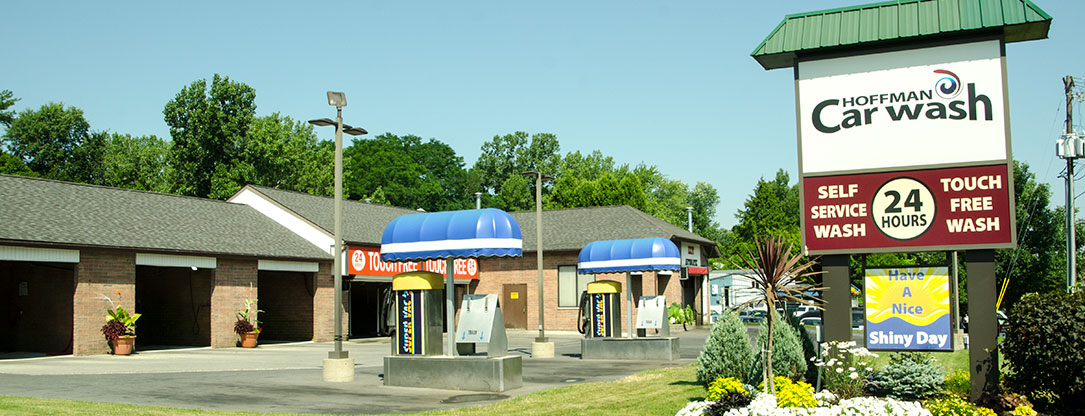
[(539, 178), (338, 100)]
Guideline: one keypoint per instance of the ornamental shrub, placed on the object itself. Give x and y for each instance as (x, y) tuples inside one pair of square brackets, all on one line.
[(725, 385), (242, 326), (950, 405), (1045, 350), (727, 351), (959, 383), (113, 330), (730, 400), (809, 348), (787, 356), (792, 394), (909, 376)]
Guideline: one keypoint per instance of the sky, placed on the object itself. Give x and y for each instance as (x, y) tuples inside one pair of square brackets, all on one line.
[(665, 83)]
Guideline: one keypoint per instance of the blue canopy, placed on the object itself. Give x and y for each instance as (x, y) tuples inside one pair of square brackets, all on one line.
[(471, 233), (640, 254)]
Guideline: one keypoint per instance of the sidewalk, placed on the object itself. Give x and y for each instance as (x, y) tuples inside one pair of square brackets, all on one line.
[(287, 377)]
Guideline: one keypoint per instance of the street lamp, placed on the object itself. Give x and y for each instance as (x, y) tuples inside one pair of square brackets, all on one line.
[(339, 100), (544, 347)]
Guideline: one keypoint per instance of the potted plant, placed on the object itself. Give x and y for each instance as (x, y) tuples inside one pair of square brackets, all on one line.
[(248, 326), (120, 328)]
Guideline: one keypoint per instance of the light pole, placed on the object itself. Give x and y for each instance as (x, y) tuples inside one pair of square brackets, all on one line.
[(478, 200), (339, 100), (541, 348)]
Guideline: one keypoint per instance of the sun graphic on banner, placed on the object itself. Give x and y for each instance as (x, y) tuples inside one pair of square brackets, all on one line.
[(918, 295)]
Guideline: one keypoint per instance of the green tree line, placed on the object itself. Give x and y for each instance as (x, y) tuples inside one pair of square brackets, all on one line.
[(218, 144)]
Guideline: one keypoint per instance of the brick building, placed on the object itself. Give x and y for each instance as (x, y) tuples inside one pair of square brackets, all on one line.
[(565, 232), (186, 264)]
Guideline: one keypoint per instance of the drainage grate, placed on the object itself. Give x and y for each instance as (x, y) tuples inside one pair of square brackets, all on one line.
[(468, 398)]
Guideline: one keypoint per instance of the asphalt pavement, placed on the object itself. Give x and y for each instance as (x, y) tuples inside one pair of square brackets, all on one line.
[(287, 377)]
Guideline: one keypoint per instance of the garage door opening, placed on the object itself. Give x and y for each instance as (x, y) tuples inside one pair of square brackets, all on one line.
[(370, 310), (175, 303), (37, 299), (286, 299)]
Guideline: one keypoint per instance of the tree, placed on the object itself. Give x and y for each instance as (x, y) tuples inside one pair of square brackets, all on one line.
[(409, 172), (283, 153), (778, 275), (771, 210), (512, 154), (1038, 262), (572, 192), (517, 194), (208, 123), (54, 141), (136, 162), (7, 99), (11, 165)]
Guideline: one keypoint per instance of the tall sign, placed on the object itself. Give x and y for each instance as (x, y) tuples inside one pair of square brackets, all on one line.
[(908, 309), (906, 151)]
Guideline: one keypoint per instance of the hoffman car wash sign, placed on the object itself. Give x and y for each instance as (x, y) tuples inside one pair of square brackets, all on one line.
[(906, 150), (908, 309)]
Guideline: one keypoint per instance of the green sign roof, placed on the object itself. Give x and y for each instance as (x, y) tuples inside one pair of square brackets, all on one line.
[(895, 21)]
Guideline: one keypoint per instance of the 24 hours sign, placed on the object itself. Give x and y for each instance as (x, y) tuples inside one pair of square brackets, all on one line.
[(967, 207)]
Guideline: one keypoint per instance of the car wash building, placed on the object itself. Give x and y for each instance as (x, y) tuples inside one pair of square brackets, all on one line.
[(68, 251), (565, 232)]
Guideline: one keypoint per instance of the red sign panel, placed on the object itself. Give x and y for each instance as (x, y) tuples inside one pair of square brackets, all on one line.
[(967, 207), (366, 261)]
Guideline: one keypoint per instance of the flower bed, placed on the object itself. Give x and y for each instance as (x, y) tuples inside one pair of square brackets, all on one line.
[(765, 405)]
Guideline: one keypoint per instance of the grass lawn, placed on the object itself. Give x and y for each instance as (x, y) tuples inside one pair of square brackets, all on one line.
[(652, 392)]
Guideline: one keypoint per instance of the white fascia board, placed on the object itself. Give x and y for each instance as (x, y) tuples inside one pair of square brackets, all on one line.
[(288, 266), (55, 255), (311, 233), (172, 260)]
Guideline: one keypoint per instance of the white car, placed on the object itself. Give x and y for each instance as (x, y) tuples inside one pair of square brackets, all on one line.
[(803, 309)]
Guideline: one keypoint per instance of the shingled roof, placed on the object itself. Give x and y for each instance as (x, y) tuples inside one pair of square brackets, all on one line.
[(563, 229), (573, 228), (53, 212), (363, 222), (898, 21)]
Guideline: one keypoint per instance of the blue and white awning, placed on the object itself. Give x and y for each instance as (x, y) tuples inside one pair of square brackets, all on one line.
[(471, 233), (641, 254)]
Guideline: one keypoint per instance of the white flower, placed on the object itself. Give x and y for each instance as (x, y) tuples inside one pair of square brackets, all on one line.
[(840, 370), (853, 375), (851, 368)]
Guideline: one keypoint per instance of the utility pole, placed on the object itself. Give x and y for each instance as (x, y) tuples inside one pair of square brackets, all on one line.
[(1069, 149)]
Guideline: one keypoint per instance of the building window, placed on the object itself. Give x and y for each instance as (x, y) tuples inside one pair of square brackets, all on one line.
[(570, 285)]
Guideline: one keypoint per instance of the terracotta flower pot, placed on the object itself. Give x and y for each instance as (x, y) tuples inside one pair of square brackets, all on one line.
[(248, 339), (124, 345)]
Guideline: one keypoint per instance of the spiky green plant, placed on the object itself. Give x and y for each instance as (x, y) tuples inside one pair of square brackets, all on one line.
[(778, 275)]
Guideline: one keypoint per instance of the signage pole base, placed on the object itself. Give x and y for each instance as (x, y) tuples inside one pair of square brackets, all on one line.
[(837, 314), (982, 324)]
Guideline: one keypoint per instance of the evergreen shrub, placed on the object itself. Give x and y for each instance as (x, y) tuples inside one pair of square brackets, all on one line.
[(788, 359), (727, 351), (909, 376), (1045, 350)]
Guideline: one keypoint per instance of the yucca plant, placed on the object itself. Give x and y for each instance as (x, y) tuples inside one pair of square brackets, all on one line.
[(778, 275)]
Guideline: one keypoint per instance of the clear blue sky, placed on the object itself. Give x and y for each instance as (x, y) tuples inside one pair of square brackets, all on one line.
[(666, 83)]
